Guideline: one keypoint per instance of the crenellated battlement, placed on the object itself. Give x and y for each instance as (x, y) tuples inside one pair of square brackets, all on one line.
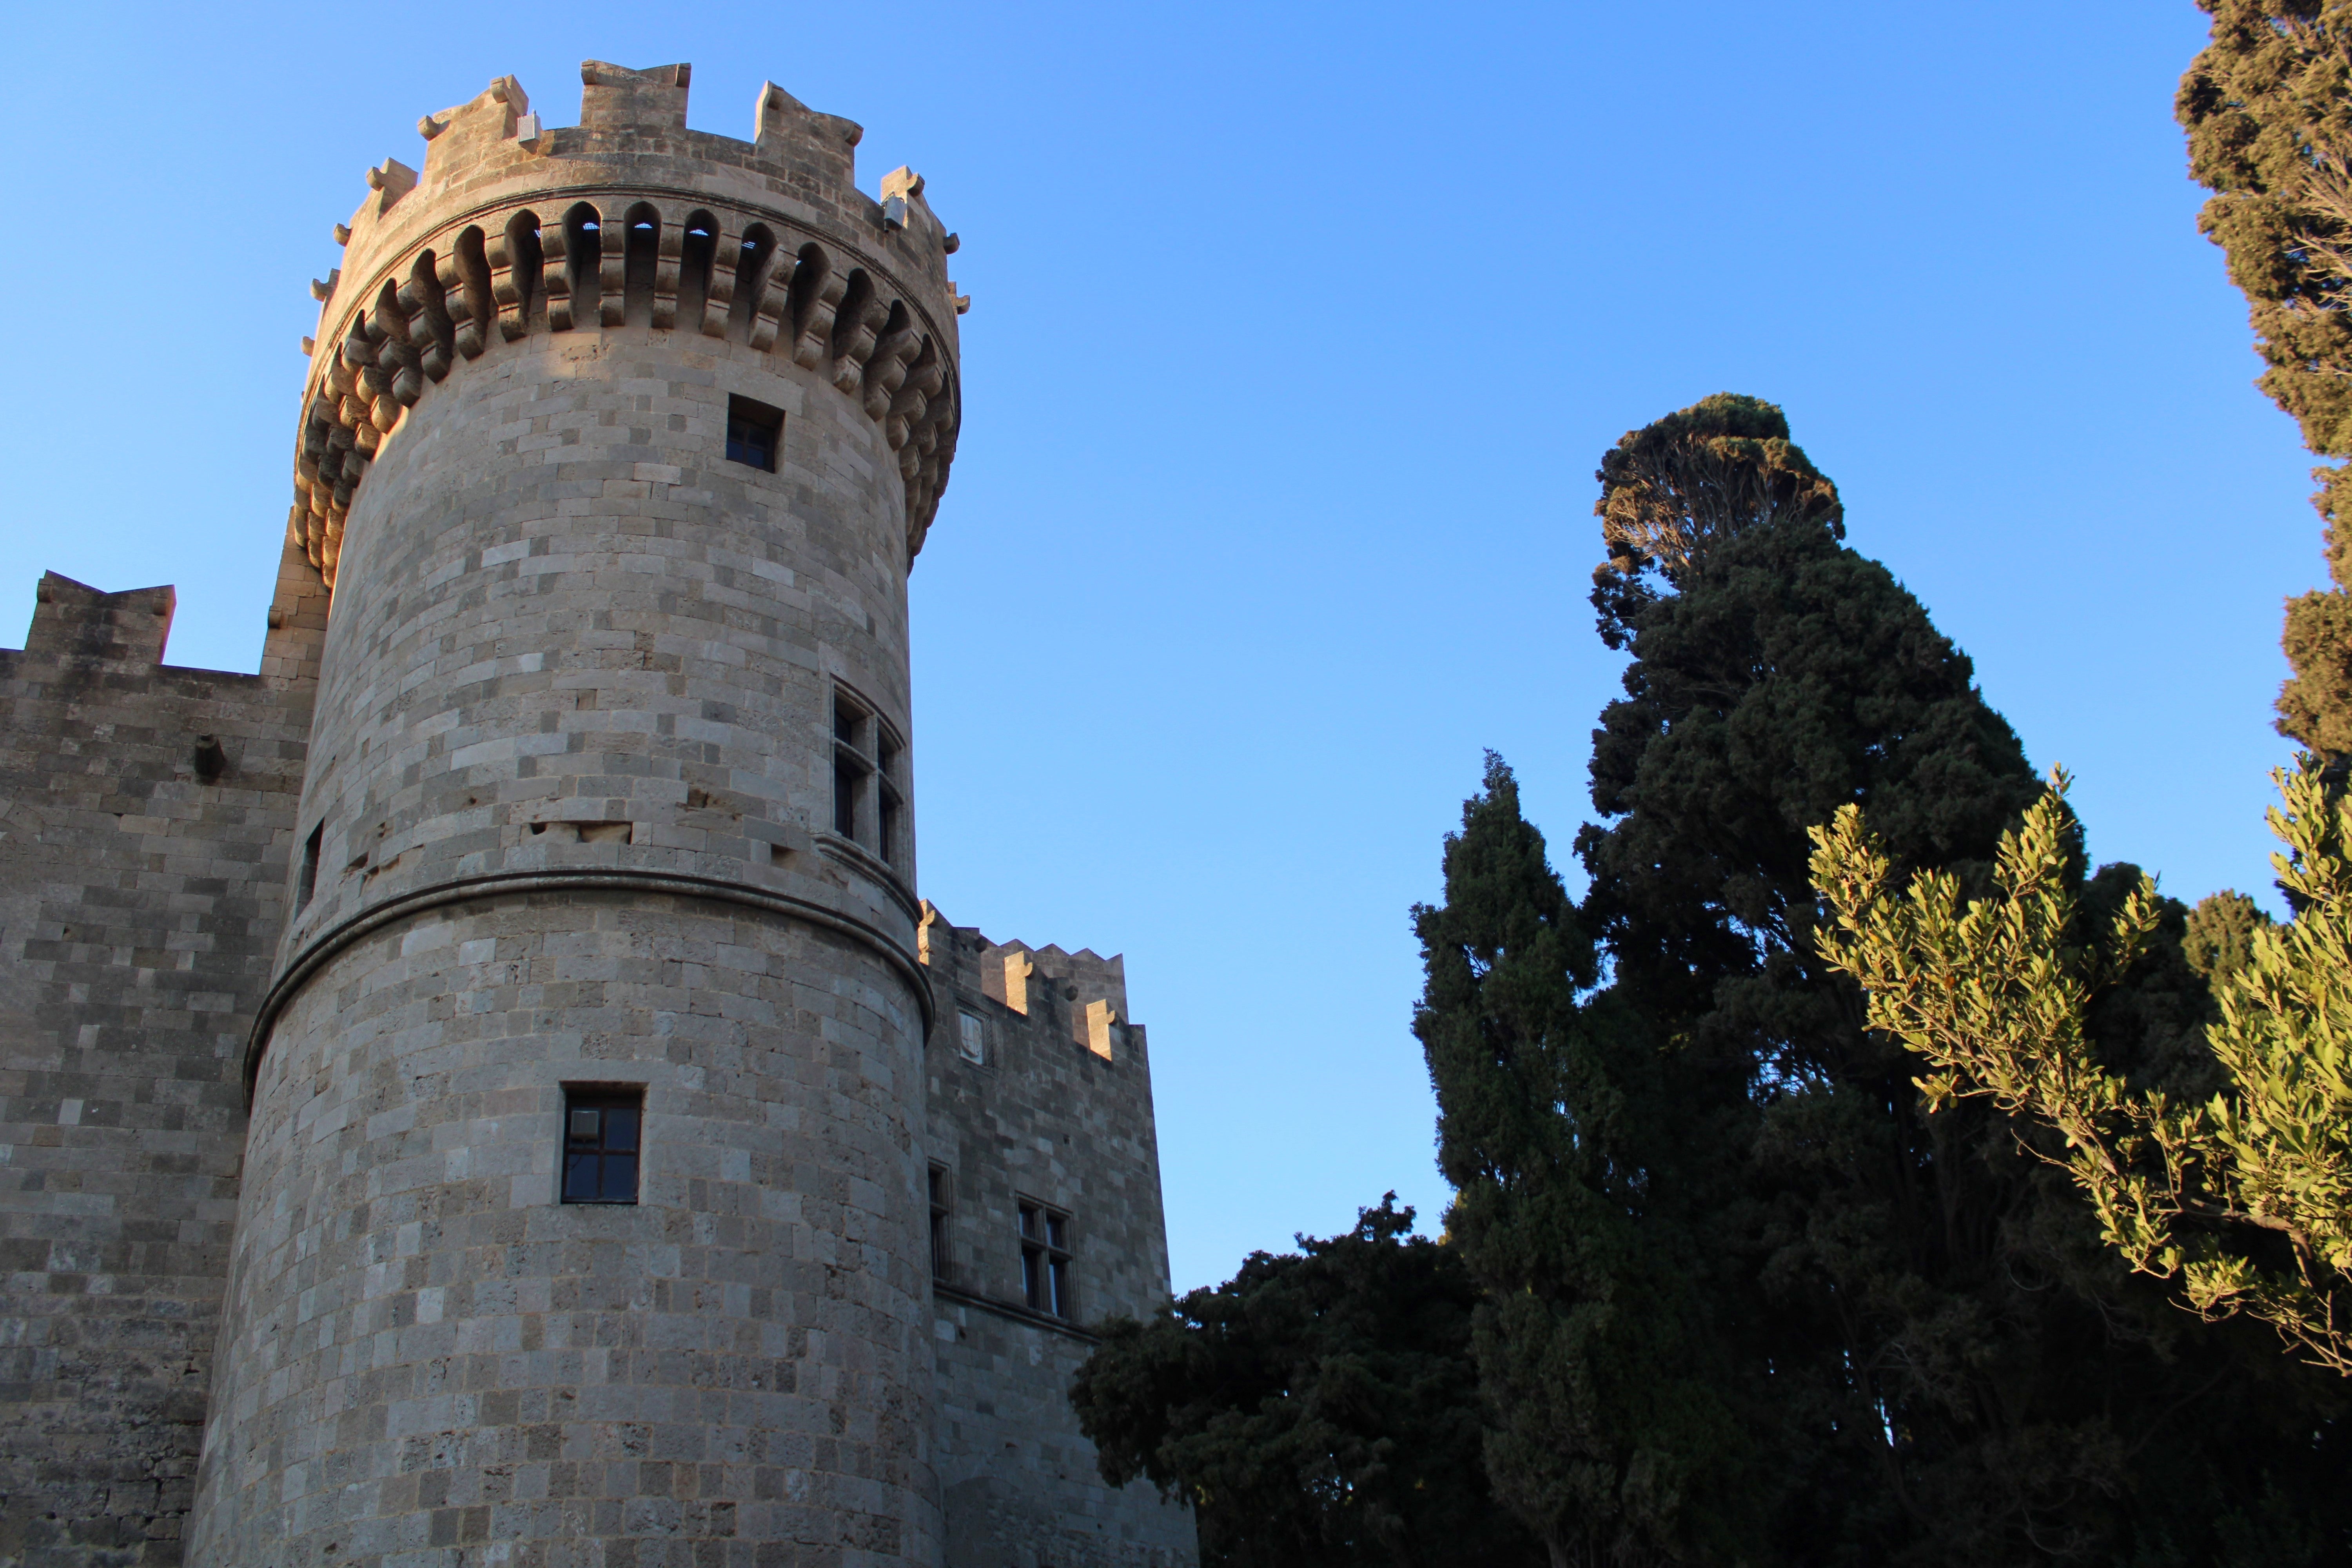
[(628, 218), (1081, 995)]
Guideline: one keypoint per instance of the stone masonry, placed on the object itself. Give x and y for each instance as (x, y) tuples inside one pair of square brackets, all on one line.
[(578, 773), (145, 816), (1040, 1091)]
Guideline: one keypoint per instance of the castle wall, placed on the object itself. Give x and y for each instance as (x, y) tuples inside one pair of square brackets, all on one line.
[(140, 901), (1059, 1114)]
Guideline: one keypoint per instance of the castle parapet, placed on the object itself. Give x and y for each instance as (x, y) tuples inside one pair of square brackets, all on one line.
[(629, 220), (74, 620)]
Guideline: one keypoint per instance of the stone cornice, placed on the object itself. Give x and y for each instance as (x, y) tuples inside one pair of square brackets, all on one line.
[(1018, 1311), (323, 947)]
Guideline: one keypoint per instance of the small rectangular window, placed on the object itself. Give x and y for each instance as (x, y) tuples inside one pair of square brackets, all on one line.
[(1046, 1259), (603, 1133), (754, 431), (306, 881), (942, 1225), (972, 1038)]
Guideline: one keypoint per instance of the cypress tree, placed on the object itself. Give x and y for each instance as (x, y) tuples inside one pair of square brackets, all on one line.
[(1948, 1368), (1607, 1432)]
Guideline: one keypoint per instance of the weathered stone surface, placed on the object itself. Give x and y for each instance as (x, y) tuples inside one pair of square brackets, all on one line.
[(140, 906), (427, 1350), (1058, 1113), (597, 775)]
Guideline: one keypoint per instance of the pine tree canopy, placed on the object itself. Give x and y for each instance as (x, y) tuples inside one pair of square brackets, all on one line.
[(1673, 489), (1800, 1219), (2235, 1181), (2268, 109)]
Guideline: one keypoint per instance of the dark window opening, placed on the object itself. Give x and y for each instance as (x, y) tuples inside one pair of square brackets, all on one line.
[(849, 765), (306, 882), (641, 260), (526, 262), (754, 431), (942, 1225), (600, 1144), (751, 278), (696, 252), (583, 246), (1046, 1259), (885, 773), (847, 781)]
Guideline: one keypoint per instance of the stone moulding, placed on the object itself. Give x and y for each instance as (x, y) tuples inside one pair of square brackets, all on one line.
[(323, 947), (1016, 1312)]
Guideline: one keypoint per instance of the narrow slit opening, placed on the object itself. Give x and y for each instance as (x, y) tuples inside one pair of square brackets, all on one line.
[(694, 251), (639, 257)]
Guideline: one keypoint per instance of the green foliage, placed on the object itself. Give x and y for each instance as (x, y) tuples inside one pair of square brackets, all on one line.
[(2268, 109), (1915, 1318), (2246, 1198), (1318, 1410), (1606, 1425), (2315, 703), (1676, 487), (2220, 938)]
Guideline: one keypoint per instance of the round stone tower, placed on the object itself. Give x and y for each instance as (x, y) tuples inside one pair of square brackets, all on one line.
[(583, 1206)]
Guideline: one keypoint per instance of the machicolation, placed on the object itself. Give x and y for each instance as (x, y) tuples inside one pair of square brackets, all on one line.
[(772, 245)]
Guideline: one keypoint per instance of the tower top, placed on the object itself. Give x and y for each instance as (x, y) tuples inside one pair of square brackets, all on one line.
[(515, 227)]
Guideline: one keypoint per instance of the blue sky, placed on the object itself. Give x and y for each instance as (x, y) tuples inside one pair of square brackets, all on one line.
[(1298, 332)]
